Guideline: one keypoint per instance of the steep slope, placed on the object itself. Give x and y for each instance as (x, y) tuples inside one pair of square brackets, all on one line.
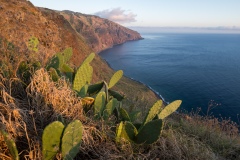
[(20, 20), (99, 33)]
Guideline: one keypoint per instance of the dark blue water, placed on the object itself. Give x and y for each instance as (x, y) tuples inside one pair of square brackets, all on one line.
[(196, 68)]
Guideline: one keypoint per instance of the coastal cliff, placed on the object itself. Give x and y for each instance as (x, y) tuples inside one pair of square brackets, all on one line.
[(99, 33), (56, 31)]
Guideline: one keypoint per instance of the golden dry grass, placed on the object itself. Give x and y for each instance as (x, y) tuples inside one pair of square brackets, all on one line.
[(26, 110)]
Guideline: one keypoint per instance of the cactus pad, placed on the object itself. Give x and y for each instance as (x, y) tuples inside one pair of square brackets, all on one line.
[(11, 145), (115, 78), (99, 104), (127, 131), (153, 112), (89, 58), (71, 140), (124, 114), (110, 107), (116, 95), (150, 133), (169, 109), (95, 88), (83, 76), (67, 54), (51, 139)]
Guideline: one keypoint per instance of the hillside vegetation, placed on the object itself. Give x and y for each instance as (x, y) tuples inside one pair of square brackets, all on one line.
[(54, 111), (58, 100)]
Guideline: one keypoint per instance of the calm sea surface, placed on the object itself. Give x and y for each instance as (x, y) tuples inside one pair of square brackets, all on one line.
[(196, 68)]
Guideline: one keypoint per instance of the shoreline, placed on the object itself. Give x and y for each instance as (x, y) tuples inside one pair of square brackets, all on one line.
[(149, 87)]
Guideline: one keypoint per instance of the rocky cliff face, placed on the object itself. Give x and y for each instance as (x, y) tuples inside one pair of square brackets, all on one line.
[(99, 33), (56, 31)]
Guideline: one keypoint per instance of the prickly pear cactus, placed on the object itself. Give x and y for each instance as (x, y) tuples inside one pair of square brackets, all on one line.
[(169, 109), (67, 54), (126, 130), (99, 104), (83, 76), (150, 132), (119, 130), (116, 95), (109, 108), (11, 145), (66, 68), (83, 91), (54, 75), (153, 112), (95, 88), (53, 63), (115, 78), (51, 139), (89, 58), (134, 115), (71, 140), (124, 114)]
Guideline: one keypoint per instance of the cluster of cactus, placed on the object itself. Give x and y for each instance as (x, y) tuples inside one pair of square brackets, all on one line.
[(104, 104), (58, 66), (58, 138), (10, 144), (150, 130)]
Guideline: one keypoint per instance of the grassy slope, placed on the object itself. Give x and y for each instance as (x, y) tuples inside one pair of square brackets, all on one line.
[(26, 110)]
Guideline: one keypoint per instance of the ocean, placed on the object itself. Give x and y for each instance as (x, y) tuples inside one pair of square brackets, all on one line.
[(203, 70)]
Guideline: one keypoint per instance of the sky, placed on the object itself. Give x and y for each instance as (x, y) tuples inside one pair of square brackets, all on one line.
[(207, 14)]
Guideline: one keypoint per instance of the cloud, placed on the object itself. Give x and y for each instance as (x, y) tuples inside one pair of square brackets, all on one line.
[(117, 15)]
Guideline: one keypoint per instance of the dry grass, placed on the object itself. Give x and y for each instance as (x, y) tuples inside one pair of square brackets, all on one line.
[(26, 110), (184, 137)]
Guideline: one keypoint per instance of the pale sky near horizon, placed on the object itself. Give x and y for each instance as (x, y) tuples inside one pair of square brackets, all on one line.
[(156, 13)]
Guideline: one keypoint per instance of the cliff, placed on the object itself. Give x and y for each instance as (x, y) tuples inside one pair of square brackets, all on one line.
[(56, 31), (99, 33)]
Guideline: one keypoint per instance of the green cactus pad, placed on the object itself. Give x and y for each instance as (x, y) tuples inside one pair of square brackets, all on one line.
[(54, 75), (134, 115), (119, 130), (150, 133), (51, 139), (115, 78), (71, 140), (169, 109), (83, 76), (83, 91), (110, 107), (53, 63), (127, 131), (99, 104), (95, 88), (124, 114), (66, 68), (153, 111), (67, 54), (116, 95), (10, 144), (89, 58)]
